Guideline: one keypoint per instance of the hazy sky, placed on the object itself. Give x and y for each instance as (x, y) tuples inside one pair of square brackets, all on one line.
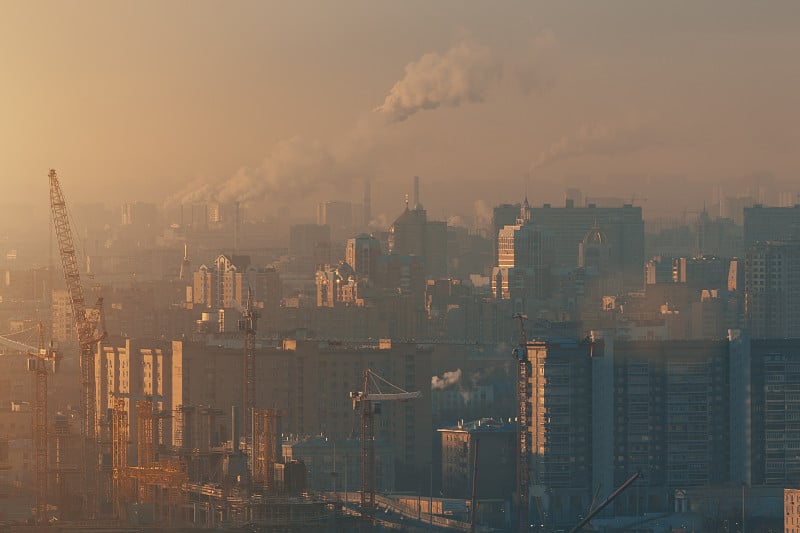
[(290, 102)]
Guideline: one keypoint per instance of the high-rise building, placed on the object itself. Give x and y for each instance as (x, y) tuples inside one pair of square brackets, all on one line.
[(765, 411), (772, 289), (623, 226), (310, 382), (130, 371), (561, 425), (62, 322), (658, 270), (762, 224), (413, 234), (503, 215), (224, 283), (362, 254), (524, 257), (604, 409), (701, 272)]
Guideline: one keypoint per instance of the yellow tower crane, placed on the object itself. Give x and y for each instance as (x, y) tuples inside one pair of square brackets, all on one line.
[(88, 337), (42, 360)]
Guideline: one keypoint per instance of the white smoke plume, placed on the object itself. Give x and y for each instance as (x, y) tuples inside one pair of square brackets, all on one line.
[(483, 215), (597, 139), (465, 73), (447, 379), (296, 166), (293, 167)]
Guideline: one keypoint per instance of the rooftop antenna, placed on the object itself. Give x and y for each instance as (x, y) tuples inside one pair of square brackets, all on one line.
[(416, 193), (526, 178)]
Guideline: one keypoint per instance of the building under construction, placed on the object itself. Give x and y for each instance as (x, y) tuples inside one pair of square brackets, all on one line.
[(147, 455)]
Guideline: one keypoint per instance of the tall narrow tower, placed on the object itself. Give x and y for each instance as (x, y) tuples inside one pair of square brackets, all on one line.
[(237, 222), (367, 203), (247, 324), (417, 205)]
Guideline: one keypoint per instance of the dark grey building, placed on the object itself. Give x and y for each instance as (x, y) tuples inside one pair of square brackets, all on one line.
[(763, 224), (772, 289), (496, 458), (623, 226)]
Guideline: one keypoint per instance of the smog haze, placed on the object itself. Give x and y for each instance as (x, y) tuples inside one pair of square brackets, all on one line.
[(270, 103)]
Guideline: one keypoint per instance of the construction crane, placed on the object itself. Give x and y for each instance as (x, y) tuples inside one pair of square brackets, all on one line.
[(40, 359), (247, 324), (376, 389), (88, 337), (605, 503), (523, 422)]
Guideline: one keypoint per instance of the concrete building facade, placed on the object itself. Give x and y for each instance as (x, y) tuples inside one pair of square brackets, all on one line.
[(623, 226)]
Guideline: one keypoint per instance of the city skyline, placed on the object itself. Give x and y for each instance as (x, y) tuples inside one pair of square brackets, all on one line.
[(270, 103)]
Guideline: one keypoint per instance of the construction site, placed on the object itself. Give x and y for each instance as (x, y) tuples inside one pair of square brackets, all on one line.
[(101, 468), (163, 437)]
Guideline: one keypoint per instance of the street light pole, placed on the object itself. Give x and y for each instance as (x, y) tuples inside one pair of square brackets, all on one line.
[(742, 507), (430, 502)]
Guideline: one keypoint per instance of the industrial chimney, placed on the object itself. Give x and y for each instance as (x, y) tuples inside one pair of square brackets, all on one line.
[(236, 228), (367, 204)]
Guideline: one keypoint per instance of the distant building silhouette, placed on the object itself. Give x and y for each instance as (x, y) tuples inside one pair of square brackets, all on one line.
[(524, 257), (413, 234), (623, 226), (762, 224)]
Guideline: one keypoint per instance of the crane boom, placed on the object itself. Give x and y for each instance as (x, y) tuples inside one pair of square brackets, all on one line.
[(87, 338), (19, 346), (367, 400), (69, 261), (377, 397)]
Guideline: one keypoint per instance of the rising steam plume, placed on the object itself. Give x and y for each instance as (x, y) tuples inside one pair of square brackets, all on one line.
[(598, 139), (448, 379), (465, 73)]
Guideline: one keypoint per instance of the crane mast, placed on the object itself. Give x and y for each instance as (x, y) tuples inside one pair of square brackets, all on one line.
[(523, 422), (247, 324), (39, 360), (367, 400), (87, 336)]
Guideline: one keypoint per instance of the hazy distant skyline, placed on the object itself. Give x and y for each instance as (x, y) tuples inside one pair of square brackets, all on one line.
[(295, 102)]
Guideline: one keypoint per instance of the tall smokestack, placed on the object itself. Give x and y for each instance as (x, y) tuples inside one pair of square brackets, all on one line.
[(416, 193), (236, 222), (367, 203)]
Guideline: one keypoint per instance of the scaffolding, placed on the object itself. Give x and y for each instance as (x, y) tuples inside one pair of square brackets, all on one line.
[(266, 448), (153, 482)]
